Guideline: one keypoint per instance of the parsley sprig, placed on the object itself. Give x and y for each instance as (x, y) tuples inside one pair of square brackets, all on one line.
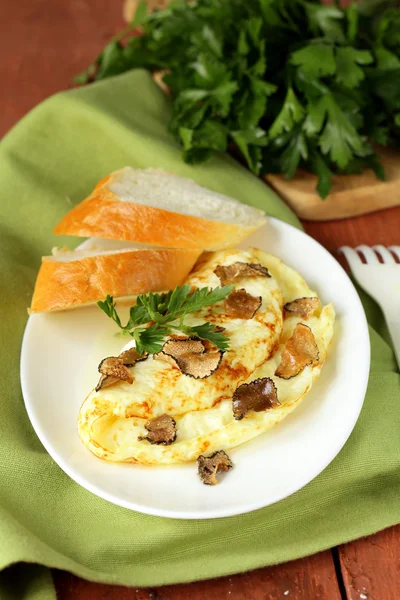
[(281, 83), (166, 312)]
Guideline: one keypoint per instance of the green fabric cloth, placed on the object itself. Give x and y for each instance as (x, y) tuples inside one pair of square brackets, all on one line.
[(48, 162)]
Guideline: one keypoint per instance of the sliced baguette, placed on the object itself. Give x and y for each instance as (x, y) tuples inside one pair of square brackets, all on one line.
[(154, 207), (69, 279)]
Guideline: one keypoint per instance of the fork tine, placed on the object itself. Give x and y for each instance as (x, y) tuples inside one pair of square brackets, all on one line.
[(351, 256), (369, 254), (395, 250), (385, 254)]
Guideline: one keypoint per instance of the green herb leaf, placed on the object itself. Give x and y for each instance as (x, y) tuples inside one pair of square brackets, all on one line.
[(196, 156), (339, 138), (248, 142), (138, 316), (270, 13), (294, 151), (177, 300), (243, 45), (140, 14), (208, 331), (325, 19), (202, 297), (386, 59), (347, 70), (312, 76), (209, 135), (163, 310), (315, 60), (321, 169), (253, 103), (292, 112), (212, 40), (209, 71), (108, 306), (112, 60), (315, 118), (150, 339), (352, 21)]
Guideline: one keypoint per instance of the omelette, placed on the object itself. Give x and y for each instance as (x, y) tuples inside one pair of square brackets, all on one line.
[(279, 339)]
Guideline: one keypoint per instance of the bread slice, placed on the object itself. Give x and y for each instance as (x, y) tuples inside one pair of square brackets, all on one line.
[(69, 279), (154, 207)]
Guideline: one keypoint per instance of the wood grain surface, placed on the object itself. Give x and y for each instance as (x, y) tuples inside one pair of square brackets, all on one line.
[(313, 577), (370, 567), (43, 44), (350, 195)]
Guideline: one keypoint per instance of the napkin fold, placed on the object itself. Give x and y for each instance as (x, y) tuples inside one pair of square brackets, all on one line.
[(48, 162)]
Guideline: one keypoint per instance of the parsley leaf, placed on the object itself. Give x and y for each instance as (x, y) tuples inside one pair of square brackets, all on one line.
[(347, 70), (338, 137), (386, 59), (248, 142), (108, 306), (161, 311), (292, 112), (315, 60), (200, 298), (207, 331), (294, 151), (352, 21), (283, 83), (325, 19), (149, 339), (321, 169)]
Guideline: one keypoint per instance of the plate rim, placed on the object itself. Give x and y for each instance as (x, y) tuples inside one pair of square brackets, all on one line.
[(225, 512)]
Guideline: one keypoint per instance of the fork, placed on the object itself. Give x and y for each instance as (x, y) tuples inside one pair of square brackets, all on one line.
[(381, 280)]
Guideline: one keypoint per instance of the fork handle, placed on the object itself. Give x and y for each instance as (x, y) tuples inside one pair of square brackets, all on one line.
[(394, 329)]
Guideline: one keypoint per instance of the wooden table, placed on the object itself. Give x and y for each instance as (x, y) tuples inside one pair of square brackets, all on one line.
[(43, 44)]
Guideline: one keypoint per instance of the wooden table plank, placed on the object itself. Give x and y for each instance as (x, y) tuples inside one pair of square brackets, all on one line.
[(371, 566), (382, 227), (43, 45), (312, 578)]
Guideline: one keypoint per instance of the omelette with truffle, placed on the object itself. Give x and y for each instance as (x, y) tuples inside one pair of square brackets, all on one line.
[(190, 398)]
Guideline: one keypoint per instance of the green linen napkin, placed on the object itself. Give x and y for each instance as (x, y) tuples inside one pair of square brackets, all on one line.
[(48, 162)]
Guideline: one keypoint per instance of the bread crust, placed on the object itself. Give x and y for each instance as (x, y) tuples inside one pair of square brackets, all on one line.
[(64, 285), (103, 215)]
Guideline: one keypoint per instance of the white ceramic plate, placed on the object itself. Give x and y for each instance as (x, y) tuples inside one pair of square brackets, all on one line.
[(60, 354)]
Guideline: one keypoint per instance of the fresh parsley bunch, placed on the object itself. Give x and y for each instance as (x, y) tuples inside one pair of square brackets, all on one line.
[(286, 83), (167, 312)]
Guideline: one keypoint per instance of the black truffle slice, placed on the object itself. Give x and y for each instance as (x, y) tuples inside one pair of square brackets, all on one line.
[(131, 356), (258, 395), (106, 381), (162, 430), (300, 351), (303, 307), (240, 269), (241, 305), (183, 346), (116, 368), (209, 466), (190, 356)]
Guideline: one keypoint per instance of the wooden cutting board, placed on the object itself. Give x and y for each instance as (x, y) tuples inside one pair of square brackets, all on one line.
[(351, 195)]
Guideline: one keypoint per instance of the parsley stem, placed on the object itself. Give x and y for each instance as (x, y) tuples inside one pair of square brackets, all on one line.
[(124, 32)]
